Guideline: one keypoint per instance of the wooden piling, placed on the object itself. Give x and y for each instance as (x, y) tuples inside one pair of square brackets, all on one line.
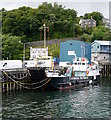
[(106, 71), (9, 84)]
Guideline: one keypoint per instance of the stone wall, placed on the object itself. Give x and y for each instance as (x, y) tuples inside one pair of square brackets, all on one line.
[(49, 42)]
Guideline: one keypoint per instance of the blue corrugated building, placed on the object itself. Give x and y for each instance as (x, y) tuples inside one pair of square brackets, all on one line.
[(82, 49)]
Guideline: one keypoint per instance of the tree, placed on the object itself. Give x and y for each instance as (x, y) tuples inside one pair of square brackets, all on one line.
[(12, 48), (86, 37), (99, 33), (26, 21), (107, 36)]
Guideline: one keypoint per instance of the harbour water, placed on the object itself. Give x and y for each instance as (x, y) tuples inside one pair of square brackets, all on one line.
[(92, 101)]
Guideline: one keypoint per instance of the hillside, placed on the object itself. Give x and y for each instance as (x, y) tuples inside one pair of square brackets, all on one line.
[(22, 25)]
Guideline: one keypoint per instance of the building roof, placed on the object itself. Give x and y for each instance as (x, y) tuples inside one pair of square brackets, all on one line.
[(75, 41), (103, 42)]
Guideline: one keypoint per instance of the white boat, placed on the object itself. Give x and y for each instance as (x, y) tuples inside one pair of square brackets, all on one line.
[(81, 67)]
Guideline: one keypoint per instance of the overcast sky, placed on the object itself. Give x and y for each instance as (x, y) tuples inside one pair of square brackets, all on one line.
[(81, 6)]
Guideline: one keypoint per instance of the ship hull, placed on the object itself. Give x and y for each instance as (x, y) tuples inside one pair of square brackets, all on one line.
[(57, 82), (37, 74), (62, 83)]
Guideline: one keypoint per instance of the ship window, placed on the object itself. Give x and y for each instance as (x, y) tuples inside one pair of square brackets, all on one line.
[(33, 52), (43, 51), (79, 63), (34, 56), (83, 63), (75, 63), (68, 63), (97, 46)]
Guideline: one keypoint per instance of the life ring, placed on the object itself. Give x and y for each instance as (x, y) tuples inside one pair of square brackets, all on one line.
[(67, 71), (87, 72)]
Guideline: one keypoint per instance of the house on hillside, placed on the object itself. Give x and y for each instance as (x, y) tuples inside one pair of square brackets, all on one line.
[(90, 22), (107, 23), (101, 51)]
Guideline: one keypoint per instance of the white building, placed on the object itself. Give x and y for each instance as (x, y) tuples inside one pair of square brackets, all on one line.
[(90, 22), (38, 52), (107, 23)]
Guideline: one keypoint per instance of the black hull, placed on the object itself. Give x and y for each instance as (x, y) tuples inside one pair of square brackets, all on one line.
[(62, 83), (38, 75)]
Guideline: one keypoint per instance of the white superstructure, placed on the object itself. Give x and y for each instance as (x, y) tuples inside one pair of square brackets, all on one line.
[(35, 52), (81, 67)]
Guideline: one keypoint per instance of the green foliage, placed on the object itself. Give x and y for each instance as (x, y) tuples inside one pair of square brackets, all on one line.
[(54, 50), (86, 37), (26, 21), (12, 47), (107, 36), (99, 33)]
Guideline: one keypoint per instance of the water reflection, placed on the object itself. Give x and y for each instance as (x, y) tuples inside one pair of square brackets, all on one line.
[(87, 102)]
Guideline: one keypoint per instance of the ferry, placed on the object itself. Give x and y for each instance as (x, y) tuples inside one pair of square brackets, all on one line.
[(77, 73)]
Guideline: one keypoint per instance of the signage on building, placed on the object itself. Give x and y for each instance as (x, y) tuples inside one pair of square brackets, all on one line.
[(71, 52)]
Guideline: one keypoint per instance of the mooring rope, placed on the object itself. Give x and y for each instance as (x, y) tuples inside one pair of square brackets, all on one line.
[(28, 83), (28, 73), (25, 86)]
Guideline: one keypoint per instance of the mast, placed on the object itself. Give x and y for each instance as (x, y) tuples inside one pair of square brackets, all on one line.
[(44, 27)]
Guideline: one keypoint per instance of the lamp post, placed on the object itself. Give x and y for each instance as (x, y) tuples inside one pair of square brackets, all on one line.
[(24, 50)]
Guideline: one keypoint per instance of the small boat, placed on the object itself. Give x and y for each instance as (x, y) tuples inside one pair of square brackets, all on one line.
[(65, 81)]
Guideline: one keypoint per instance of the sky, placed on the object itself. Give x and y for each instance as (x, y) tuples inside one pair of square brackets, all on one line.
[(81, 6)]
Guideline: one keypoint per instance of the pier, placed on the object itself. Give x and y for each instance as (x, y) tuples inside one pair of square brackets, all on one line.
[(106, 69), (14, 79)]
